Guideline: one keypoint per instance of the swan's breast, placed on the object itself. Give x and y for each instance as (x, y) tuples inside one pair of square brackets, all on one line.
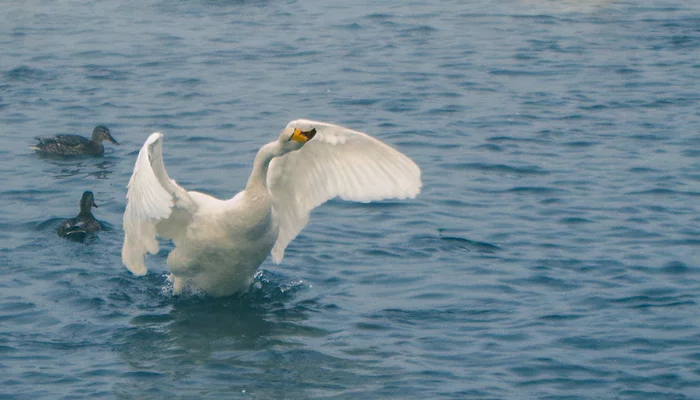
[(243, 223)]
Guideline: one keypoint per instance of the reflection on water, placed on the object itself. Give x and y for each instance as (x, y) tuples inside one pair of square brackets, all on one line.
[(104, 170), (445, 242), (253, 335), (62, 167), (569, 5)]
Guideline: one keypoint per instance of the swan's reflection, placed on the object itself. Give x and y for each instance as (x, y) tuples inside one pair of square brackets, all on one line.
[(246, 339), (203, 328)]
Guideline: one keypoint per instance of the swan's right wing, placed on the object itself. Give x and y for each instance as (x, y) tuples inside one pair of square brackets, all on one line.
[(337, 162), (153, 201)]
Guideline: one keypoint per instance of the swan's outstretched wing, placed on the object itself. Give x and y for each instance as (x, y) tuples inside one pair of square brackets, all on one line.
[(154, 204), (336, 162)]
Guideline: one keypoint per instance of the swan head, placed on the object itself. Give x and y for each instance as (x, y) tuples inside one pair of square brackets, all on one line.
[(296, 134)]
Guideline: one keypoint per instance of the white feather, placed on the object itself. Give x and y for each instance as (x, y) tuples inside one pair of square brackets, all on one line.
[(337, 162), (151, 197)]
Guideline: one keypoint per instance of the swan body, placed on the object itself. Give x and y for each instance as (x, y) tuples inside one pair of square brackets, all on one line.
[(219, 244), (67, 145)]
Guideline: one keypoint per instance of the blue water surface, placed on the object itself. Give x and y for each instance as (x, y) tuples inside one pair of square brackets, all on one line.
[(552, 254)]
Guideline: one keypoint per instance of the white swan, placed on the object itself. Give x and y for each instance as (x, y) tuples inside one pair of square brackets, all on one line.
[(219, 244)]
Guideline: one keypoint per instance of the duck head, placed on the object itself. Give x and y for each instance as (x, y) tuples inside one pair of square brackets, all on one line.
[(101, 133), (87, 201)]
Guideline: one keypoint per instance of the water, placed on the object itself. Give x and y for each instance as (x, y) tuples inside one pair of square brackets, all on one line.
[(553, 253)]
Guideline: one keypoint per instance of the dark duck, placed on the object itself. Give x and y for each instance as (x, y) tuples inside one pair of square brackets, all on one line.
[(68, 145), (78, 228)]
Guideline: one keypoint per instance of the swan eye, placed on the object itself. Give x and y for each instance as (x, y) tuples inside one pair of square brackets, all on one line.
[(302, 136)]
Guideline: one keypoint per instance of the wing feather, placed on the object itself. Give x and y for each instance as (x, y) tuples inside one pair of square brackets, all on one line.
[(337, 162), (151, 198)]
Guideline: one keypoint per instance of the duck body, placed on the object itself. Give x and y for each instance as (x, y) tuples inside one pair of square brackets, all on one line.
[(78, 228), (67, 145), (219, 244)]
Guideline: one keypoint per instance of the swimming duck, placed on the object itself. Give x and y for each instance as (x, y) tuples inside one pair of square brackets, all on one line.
[(75, 144), (77, 228), (219, 244)]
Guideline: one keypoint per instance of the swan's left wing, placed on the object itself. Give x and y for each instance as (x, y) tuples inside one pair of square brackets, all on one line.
[(155, 205), (337, 162)]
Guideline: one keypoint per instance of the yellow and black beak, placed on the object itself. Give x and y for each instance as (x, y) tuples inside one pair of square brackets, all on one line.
[(301, 136)]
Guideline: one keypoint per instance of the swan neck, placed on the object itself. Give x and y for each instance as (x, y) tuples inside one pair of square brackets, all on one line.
[(258, 178)]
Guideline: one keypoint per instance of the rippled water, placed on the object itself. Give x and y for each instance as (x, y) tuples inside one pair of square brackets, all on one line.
[(552, 254)]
